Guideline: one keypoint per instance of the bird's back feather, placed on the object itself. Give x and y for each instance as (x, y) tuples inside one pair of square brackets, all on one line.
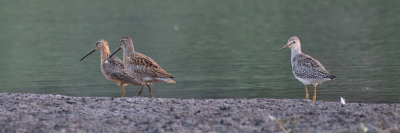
[(306, 67), (146, 66)]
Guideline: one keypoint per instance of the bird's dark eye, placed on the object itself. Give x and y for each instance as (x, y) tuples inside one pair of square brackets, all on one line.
[(294, 41)]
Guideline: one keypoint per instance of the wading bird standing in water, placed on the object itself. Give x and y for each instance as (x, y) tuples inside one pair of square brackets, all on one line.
[(141, 67), (306, 69), (112, 68)]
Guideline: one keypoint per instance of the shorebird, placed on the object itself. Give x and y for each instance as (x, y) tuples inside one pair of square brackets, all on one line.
[(142, 67), (306, 69), (113, 67)]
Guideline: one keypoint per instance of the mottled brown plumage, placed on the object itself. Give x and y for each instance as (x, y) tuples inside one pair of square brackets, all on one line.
[(147, 66), (142, 67), (112, 68)]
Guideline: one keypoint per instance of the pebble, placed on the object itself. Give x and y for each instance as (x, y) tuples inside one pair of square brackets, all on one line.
[(57, 113)]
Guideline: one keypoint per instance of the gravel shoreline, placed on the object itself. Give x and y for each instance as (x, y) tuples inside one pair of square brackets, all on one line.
[(58, 113)]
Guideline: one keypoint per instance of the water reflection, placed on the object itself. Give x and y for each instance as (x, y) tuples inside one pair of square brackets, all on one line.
[(220, 50)]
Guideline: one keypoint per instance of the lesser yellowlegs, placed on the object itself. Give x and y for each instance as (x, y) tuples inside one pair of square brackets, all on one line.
[(142, 67), (306, 69), (112, 68)]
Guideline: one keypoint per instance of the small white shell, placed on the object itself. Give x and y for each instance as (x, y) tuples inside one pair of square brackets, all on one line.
[(342, 100)]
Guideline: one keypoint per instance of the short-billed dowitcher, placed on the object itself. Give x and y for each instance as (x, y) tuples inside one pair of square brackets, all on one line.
[(306, 69), (142, 67), (113, 67)]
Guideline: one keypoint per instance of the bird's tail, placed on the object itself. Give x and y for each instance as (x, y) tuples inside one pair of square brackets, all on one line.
[(171, 81), (167, 80), (332, 77)]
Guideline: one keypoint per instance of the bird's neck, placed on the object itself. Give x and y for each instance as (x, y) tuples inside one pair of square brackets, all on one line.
[(295, 51), (105, 52), (128, 52)]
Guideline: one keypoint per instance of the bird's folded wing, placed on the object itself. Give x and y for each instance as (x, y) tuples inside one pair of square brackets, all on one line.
[(308, 67), (148, 66)]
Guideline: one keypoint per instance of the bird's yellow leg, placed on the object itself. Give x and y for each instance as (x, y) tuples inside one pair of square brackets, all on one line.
[(122, 89), (305, 86), (140, 92), (151, 93), (315, 93)]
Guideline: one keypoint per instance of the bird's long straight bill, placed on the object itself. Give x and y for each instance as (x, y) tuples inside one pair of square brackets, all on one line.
[(87, 54), (287, 45), (115, 52)]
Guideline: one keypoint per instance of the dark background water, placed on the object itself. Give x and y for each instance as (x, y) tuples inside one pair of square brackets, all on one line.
[(215, 49)]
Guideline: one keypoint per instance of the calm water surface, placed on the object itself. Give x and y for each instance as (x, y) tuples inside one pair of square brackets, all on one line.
[(215, 49)]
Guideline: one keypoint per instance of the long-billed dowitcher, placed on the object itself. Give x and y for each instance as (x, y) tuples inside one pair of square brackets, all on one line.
[(142, 67), (306, 69), (113, 67)]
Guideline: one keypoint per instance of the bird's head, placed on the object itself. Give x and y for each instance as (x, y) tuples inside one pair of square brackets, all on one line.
[(293, 43), (124, 43), (99, 44)]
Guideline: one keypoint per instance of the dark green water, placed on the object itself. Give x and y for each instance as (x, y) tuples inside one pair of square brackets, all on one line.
[(215, 49)]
